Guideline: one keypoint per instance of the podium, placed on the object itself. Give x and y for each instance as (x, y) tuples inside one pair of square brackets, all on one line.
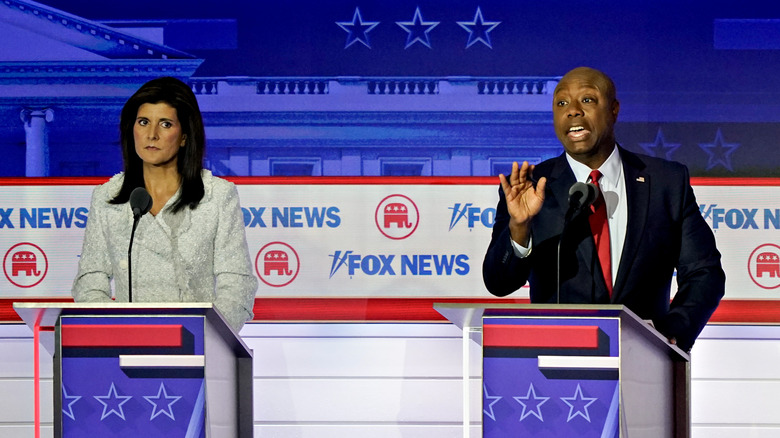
[(572, 370), (144, 369)]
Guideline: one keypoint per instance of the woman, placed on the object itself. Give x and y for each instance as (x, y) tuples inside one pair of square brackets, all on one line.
[(192, 247)]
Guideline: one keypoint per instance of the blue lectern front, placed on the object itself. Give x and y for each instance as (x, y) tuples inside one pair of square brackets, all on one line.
[(145, 370), (575, 370)]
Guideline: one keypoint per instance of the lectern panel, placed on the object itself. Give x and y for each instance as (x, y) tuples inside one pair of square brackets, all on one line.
[(551, 377), (132, 376)]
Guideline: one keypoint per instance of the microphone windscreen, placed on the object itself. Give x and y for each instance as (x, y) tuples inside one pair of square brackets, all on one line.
[(582, 195), (140, 201)]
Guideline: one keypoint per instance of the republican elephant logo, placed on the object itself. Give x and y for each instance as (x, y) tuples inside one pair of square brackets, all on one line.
[(26, 262), (768, 263), (397, 217), (25, 265), (764, 266), (397, 213), (276, 261), (277, 264)]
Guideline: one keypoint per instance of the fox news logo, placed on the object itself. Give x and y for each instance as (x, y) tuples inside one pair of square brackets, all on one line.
[(741, 218), (291, 217), (471, 215), (405, 264), (43, 217)]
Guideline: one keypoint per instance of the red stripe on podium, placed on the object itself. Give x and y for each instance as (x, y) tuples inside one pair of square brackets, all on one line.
[(540, 336), (121, 335)]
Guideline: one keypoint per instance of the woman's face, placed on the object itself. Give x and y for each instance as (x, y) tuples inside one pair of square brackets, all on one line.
[(158, 135)]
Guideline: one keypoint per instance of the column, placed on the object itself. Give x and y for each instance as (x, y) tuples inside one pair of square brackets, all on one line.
[(37, 137)]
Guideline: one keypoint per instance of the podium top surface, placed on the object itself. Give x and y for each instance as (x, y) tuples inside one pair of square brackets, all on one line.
[(469, 315), (46, 315)]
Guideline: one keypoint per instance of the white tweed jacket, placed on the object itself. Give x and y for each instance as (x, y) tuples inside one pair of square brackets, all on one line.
[(198, 255)]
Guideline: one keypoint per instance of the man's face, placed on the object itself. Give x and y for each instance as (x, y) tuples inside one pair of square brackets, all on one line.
[(584, 116)]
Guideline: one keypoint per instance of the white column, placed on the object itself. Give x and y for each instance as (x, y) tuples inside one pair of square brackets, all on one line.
[(37, 136)]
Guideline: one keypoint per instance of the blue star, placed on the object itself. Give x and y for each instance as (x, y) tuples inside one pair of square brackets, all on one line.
[(534, 402), (719, 152), (493, 399), (113, 398), (581, 401), (479, 29), (73, 399), (357, 29), (169, 400), (417, 30), (659, 146)]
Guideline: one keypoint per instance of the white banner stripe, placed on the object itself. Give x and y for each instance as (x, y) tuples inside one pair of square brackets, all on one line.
[(161, 361), (579, 362)]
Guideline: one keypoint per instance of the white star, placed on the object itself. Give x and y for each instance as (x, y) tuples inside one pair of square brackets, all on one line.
[(71, 400), (357, 30), (493, 399), (169, 400), (479, 29), (417, 30), (581, 401), (533, 401), (112, 398)]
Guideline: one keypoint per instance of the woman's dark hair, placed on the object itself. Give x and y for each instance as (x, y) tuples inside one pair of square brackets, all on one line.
[(190, 157)]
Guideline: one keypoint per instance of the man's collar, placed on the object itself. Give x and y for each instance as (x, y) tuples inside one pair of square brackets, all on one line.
[(610, 169)]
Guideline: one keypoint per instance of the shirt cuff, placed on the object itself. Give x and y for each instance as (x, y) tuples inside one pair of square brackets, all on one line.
[(520, 250)]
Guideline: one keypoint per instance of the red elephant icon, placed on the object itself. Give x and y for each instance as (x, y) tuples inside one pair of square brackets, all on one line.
[(276, 261), (25, 261), (397, 213), (769, 263)]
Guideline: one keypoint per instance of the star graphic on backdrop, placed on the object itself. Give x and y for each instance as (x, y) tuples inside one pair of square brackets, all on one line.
[(417, 30), (70, 400), (162, 398), (660, 147), (719, 152), (113, 399), (490, 400), (532, 404), (479, 29), (357, 29), (578, 404)]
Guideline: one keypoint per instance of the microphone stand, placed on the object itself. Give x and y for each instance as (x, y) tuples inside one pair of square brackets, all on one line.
[(130, 260), (140, 204), (577, 204), (570, 213)]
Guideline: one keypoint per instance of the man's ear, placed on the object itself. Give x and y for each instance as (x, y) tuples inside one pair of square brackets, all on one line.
[(615, 109)]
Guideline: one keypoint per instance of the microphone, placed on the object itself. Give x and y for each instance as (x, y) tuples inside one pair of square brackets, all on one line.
[(581, 196), (140, 202)]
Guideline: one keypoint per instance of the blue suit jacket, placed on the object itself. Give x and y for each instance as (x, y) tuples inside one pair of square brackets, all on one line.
[(665, 231)]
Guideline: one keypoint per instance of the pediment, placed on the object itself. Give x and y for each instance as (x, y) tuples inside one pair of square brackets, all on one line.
[(31, 31)]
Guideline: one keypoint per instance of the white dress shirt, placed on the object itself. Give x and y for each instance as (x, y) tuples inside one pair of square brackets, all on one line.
[(613, 185)]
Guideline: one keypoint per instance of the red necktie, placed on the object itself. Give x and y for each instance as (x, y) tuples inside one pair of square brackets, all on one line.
[(599, 226)]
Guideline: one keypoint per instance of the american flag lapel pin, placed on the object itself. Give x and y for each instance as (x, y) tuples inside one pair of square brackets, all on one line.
[(641, 179)]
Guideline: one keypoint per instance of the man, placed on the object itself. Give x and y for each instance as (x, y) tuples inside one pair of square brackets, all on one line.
[(653, 223)]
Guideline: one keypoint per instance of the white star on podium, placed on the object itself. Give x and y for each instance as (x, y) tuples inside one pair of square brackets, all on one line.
[(578, 404), (112, 399), (162, 398)]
